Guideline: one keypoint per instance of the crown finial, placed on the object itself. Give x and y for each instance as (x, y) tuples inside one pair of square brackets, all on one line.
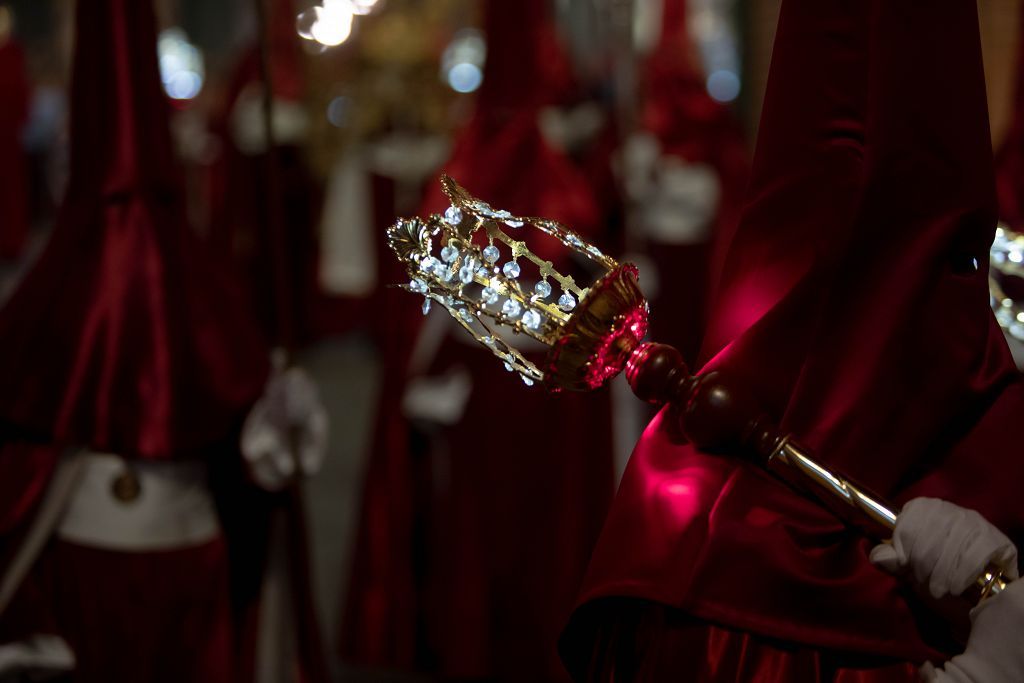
[(476, 263)]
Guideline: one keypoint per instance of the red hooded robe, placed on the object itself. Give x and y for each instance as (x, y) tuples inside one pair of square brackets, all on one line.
[(854, 304), (126, 338), (14, 104), (1010, 155), (507, 502)]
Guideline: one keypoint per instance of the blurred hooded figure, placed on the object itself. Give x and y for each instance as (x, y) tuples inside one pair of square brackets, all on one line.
[(132, 536), (475, 532)]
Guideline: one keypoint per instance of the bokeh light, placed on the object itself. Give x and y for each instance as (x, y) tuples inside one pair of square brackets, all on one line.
[(333, 25), (463, 60), (305, 21), (363, 6), (465, 77), (723, 85), (181, 65), (338, 111)]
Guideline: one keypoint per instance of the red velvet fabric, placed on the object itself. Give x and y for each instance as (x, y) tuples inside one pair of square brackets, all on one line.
[(263, 210), (518, 499), (14, 103), (645, 643), (240, 234), (130, 617), (1010, 155), (526, 66), (851, 307), (285, 54), (27, 468), (125, 336)]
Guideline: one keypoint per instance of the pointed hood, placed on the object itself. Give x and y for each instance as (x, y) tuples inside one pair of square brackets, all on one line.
[(120, 143), (285, 51), (501, 154), (526, 65), (854, 305), (674, 46), (677, 107), (125, 337)]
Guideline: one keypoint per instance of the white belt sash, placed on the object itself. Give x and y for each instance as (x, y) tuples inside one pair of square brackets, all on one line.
[(172, 510)]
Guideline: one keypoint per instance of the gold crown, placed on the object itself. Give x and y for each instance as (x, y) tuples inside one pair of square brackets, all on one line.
[(480, 276)]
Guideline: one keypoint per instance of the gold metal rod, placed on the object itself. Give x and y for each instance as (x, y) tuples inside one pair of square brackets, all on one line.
[(852, 502)]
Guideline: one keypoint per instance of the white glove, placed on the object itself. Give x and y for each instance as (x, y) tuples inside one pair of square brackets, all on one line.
[(995, 648), (37, 658), (288, 415), (945, 546)]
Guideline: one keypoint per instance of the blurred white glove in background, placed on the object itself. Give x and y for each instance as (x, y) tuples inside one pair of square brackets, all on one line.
[(946, 548), (288, 415)]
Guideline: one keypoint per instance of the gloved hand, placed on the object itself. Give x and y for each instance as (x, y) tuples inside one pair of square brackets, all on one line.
[(995, 648), (945, 546), (288, 416)]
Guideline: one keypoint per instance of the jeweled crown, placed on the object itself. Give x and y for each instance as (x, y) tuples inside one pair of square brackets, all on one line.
[(497, 289)]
